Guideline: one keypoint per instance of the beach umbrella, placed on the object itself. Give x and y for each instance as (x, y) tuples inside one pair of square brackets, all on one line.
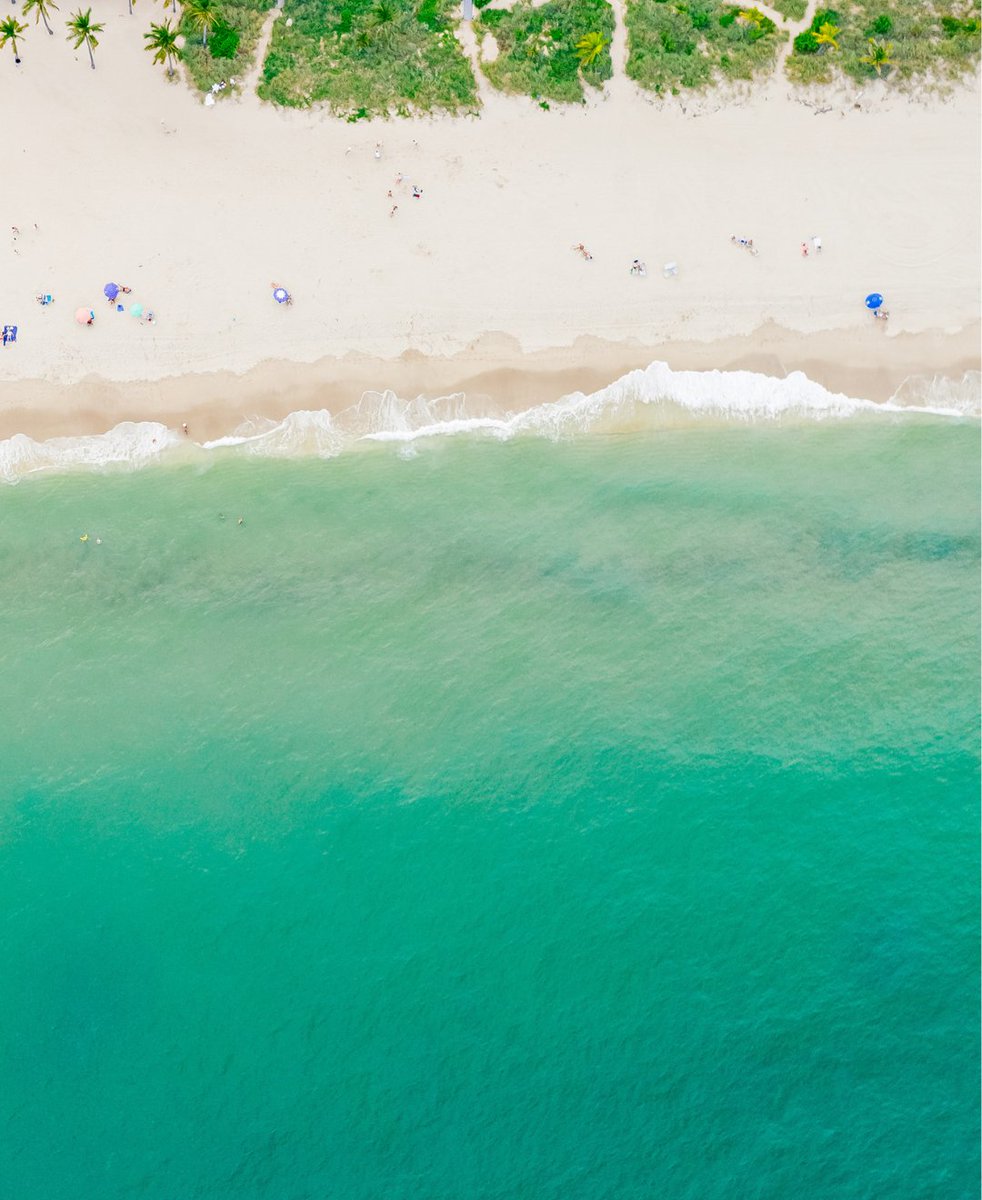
[(874, 300), (281, 295), (84, 316), (136, 310), (111, 291)]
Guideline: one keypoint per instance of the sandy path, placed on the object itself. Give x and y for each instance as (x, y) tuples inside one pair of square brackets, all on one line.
[(251, 80)]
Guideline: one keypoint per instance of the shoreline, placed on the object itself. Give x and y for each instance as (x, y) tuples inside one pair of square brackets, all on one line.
[(494, 374), (437, 256)]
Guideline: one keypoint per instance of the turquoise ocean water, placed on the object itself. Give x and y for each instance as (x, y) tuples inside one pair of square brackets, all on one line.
[(566, 819)]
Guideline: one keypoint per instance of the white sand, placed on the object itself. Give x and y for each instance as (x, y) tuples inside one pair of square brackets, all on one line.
[(132, 179)]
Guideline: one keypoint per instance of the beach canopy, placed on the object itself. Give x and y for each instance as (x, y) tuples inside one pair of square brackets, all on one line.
[(84, 316), (111, 291), (874, 300), (281, 295), (136, 310)]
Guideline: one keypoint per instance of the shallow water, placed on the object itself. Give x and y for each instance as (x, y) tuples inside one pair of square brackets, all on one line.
[(593, 818)]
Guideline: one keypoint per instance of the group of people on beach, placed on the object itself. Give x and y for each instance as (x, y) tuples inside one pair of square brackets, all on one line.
[(400, 179)]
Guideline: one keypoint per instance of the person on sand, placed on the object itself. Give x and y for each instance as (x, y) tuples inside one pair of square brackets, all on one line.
[(817, 243), (804, 249), (581, 249), (393, 210), (378, 149), (417, 192), (184, 426)]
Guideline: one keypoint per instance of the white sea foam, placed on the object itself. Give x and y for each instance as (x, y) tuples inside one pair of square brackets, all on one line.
[(650, 398), (131, 443)]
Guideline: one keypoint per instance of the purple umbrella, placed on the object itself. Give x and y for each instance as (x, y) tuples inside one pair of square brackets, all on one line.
[(111, 291)]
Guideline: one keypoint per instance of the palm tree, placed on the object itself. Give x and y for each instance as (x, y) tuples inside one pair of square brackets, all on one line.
[(10, 30), (826, 35), (82, 29), (750, 16), (41, 9), (203, 15), (162, 39), (590, 47), (878, 56)]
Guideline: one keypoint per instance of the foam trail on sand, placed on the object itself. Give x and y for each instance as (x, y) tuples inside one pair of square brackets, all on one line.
[(652, 398)]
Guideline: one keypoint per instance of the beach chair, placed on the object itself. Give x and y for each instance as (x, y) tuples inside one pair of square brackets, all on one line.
[(670, 270), (9, 334)]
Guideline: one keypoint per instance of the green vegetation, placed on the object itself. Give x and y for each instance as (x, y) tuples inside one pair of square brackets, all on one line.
[(369, 57), (589, 48), (232, 31), (905, 40), (82, 31), (203, 16), (10, 30), (791, 10), (162, 43), (42, 9), (676, 44), (549, 52)]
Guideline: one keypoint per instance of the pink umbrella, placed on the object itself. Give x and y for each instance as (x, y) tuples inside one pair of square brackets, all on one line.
[(84, 316)]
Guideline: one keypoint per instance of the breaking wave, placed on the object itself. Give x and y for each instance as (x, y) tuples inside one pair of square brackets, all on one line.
[(652, 398)]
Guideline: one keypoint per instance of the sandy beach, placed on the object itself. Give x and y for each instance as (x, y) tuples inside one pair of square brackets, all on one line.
[(114, 174)]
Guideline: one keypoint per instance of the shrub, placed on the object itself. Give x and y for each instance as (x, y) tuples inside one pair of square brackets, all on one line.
[(805, 43), (882, 25), (428, 14), (825, 16), (701, 20), (224, 41), (952, 26), (727, 19)]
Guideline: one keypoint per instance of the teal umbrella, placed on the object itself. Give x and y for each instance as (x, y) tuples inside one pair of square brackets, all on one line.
[(136, 310)]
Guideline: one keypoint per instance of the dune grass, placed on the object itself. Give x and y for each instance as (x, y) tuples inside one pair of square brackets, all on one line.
[(231, 44), (675, 44), (926, 41), (368, 58), (537, 53), (791, 10)]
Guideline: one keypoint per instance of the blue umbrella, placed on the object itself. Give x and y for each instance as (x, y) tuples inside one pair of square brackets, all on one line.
[(110, 291), (281, 295), (874, 300)]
